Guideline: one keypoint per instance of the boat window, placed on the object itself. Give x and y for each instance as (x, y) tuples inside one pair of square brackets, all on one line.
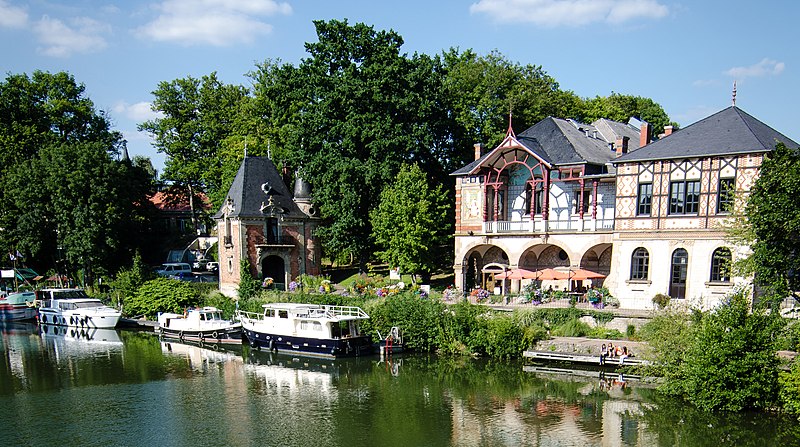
[(269, 313), (88, 304), (202, 317), (283, 314), (317, 326), (304, 325)]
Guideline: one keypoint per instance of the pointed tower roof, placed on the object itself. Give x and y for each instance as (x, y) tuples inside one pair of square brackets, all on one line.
[(731, 131), (257, 184)]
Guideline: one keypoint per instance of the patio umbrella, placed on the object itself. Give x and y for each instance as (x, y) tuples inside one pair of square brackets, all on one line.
[(549, 274), (516, 274), (581, 274)]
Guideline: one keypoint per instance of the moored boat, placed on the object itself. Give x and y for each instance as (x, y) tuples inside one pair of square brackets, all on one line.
[(308, 329), (72, 307), (18, 306), (204, 324)]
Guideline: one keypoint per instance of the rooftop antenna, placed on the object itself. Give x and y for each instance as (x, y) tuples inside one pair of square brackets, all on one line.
[(510, 131), (245, 146), (734, 92)]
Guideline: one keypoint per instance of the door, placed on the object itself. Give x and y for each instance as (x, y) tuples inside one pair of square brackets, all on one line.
[(273, 267), (680, 266)]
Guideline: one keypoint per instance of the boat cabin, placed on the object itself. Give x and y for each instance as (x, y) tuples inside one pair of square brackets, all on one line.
[(313, 321)]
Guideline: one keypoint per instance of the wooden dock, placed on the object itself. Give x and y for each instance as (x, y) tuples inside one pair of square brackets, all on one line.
[(583, 359)]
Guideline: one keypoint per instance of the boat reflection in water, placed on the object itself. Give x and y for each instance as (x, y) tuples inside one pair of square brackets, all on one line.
[(202, 357)]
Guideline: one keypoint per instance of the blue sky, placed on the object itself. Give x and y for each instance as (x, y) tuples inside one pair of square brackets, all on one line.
[(685, 55)]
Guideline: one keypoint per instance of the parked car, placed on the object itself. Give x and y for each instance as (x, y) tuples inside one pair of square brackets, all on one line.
[(173, 268), (212, 266)]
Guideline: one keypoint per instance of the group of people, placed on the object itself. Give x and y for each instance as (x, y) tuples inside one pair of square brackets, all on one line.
[(614, 352)]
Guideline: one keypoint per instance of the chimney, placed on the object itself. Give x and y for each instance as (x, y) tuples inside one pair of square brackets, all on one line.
[(667, 131), (644, 134), (621, 146), (478, 150)]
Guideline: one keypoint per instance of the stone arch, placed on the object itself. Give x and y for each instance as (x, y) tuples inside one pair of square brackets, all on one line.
[(474, 262), (597, 259), (553, 256), (274, 266)]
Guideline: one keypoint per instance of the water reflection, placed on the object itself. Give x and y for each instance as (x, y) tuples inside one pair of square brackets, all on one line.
[(128, 388)]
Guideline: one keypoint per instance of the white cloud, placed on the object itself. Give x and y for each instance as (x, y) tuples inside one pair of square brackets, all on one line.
[(12, 16), (764, 68), (82, 35), (138, 112), (213, 22), (555, 13)]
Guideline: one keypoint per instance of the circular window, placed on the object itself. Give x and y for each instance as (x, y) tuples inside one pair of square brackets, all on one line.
[(562, 255)]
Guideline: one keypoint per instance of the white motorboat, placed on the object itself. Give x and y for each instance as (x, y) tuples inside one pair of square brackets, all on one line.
[(204, 324), (310, 329), (72, 307)]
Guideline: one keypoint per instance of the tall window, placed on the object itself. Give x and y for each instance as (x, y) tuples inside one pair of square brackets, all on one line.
[(272, 233), (684, 197), (645, 200), (680, 267), (640, 264), (584, 204), (727, 186), (721, 265)]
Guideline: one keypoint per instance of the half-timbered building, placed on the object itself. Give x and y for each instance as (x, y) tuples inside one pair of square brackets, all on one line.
[(674, 200)]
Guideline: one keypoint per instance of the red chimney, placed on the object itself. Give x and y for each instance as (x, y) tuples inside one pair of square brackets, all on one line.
[(478, 150), (621, 145), (667, 131), (644, 135)]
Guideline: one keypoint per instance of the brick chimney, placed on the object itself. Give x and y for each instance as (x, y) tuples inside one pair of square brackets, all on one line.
[(478, 150), (667, 131), (644, 135), (621, 145)]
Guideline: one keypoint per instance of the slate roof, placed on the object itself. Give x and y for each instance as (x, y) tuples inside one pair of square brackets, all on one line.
[(564, 142), (727, 132), (256, 181)]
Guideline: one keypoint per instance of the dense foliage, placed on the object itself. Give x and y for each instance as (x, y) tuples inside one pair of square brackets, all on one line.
[(410, 223), (772, 224), (723, 360), (161, 295), (66, 201)]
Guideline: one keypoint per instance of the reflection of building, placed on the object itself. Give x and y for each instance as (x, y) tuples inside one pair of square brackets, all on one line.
[(564, 194), (263, 222)]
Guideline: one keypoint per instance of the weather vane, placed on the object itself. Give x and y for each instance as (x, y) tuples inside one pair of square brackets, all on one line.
[(734, 93)]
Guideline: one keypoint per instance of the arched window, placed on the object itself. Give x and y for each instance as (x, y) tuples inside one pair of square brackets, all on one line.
[(721, 265), (640, 264)]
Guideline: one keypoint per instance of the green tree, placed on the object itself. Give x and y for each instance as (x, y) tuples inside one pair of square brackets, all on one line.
[(619, 107), (480, 91), (771, 225), (248, 284), (411, 224), (64, 194), (723, 360), (198, 117), (352, 113)]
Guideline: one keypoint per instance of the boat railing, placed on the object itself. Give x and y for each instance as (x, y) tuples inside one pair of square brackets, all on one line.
[(332, 312)]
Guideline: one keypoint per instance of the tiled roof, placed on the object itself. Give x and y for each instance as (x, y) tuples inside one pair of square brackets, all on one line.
[(176, 201), (727, 132)]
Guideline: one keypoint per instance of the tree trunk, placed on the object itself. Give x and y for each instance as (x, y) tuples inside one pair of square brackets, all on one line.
[(191, 208)]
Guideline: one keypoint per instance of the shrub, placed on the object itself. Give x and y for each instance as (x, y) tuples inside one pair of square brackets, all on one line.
[(789, 393), (661, 301), (161, 295), (248, 285), (571, 328)]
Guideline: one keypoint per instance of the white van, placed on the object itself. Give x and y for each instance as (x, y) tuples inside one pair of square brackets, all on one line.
[(173, 268)]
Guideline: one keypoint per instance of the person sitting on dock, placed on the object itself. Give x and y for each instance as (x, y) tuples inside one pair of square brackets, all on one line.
[(603, 353), (623, 354)]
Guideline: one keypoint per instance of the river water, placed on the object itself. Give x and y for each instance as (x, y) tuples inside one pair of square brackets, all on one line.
[(129, 388)]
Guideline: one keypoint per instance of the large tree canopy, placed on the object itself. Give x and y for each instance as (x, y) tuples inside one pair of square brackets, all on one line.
[(65, 196)]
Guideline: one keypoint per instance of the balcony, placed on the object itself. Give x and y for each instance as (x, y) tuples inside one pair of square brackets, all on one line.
[(550, 226)]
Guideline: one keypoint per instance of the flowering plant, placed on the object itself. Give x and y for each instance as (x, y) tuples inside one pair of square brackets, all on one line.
[(480, 294), (325, 286), (294, 285), (267, 282), (451, 293)]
